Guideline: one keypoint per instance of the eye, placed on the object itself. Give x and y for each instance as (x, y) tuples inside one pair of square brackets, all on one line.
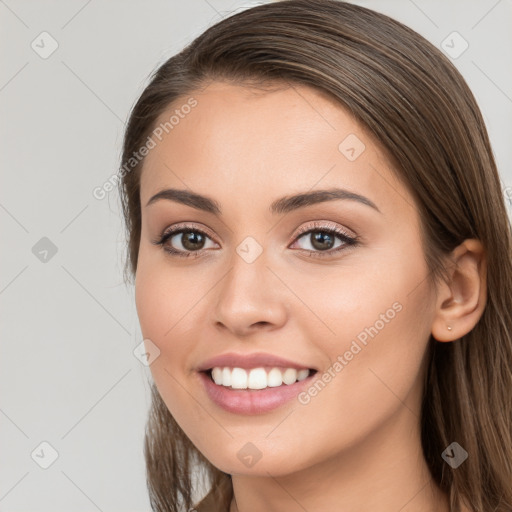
[(191, 239), (321, 239)]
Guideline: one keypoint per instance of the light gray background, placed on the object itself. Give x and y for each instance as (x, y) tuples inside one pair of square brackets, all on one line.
[(69, 325)]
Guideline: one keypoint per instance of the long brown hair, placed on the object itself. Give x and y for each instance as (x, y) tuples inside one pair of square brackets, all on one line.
[(422, 113)]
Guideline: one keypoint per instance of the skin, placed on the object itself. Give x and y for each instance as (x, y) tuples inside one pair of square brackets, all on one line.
[(357, 442)]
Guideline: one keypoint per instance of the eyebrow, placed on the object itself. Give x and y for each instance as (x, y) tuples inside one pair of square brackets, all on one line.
[(280, 206)]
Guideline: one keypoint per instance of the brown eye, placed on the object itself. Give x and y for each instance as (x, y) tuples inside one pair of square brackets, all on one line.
[(321, 240), (192, 240), (183, 242)]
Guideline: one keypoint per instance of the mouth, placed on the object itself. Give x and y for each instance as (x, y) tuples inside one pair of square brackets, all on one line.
[(256, 379), (254, 391)]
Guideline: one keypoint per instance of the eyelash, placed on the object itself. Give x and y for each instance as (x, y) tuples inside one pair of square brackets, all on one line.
[(349, 241)]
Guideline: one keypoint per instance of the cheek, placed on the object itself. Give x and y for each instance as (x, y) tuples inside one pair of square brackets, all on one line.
[(163, 297), (162, 311), (149, 303), (366, 289), (376, 325), (160, 305)]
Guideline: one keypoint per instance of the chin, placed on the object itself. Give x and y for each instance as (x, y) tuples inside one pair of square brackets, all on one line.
[(263, 466)]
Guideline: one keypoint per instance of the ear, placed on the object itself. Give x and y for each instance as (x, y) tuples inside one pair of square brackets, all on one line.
[(461, 301)]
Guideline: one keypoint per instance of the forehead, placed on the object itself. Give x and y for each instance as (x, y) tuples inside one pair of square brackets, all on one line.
[(264, 143)]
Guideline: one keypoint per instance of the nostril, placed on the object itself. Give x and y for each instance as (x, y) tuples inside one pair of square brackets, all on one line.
[(262, 323)]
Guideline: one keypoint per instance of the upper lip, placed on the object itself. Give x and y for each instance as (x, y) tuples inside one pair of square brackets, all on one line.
[(249, 361)]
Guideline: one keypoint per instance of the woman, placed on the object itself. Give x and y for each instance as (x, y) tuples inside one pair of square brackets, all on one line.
[(322, 262)]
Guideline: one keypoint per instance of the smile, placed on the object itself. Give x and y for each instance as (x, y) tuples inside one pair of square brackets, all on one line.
[(255, 391), (257, 378)]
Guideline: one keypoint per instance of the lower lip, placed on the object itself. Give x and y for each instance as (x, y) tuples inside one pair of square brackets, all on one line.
[(252, 401)]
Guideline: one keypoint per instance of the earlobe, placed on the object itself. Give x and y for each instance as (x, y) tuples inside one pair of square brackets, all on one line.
[(461, 301)]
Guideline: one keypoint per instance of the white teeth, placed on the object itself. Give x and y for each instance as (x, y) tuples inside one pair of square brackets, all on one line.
[(302, 374), (290, 375), (274, 378), (226, 377), (257, 378), (239, 378), (217, 375)]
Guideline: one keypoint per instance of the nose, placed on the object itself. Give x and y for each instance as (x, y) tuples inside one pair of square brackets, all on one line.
[(250, 298)]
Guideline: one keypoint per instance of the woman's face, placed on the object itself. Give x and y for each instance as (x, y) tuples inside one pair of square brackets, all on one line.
[(358, 313)]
